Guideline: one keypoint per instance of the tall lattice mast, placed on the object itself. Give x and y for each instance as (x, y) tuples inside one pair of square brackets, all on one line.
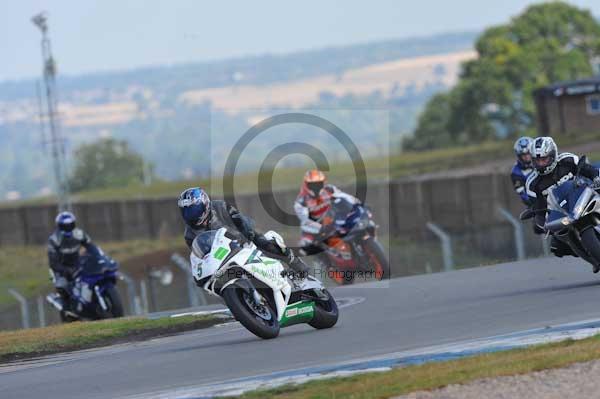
[(57, 145)]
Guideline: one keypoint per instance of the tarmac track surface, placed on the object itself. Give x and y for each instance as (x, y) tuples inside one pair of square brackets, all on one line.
[(396, 315)]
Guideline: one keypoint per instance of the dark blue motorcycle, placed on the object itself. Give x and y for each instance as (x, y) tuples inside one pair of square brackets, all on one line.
[(574, 216), (93, 293)]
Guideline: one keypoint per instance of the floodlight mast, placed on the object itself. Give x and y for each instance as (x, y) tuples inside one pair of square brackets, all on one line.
[(57, 144)]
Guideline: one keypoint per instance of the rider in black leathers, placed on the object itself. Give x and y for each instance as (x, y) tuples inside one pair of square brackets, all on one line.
[(64, 245), (553, 169), (202, 214)]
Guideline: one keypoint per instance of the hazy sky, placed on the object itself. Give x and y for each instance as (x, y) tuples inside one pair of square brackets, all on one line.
[(119, 34)]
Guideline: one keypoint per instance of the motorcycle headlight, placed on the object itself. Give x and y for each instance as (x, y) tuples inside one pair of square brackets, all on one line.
[(565, 221)]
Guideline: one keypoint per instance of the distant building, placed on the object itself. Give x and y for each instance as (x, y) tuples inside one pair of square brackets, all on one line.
[(569, 107)]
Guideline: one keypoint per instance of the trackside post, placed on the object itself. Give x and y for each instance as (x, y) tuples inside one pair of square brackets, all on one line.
[(444, 237), (24, 309), (518, 232)]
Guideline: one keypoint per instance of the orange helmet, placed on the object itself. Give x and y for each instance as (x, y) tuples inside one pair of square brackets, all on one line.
[(314, 181)]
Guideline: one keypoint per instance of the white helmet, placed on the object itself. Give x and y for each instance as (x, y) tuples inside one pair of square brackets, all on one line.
[(522, 151), (544, 152)]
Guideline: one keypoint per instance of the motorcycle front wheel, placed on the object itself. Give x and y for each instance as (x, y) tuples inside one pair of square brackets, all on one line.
[(326, 313), (590, 242), (115, 306), (258, 318), (113, 302)]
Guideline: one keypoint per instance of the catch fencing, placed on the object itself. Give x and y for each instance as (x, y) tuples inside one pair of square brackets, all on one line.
[(402, 207)]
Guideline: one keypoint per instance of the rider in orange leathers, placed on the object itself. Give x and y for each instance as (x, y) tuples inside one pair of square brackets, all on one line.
[(313, 202)]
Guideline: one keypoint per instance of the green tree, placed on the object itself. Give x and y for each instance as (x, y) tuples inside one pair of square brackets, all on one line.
[(549, 42), (432, 125), (106, 163)]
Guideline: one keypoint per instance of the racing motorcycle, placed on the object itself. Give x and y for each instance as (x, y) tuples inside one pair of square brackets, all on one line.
[(349, 243), (258, 290), (574, 215), (93, 294)]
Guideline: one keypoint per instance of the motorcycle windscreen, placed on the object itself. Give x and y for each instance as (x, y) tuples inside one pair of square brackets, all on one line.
[(566, 195), (203, 242), (346, 215), (91, 265)]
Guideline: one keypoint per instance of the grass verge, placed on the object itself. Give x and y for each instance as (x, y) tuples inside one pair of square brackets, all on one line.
[(436, 375), (21, 344), (396, 165)]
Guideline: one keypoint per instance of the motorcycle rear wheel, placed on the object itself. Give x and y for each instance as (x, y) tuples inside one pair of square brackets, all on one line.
[(326, 313), (253, 321)]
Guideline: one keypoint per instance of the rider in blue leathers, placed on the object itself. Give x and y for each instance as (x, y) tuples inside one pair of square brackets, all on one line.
[(522, 168)]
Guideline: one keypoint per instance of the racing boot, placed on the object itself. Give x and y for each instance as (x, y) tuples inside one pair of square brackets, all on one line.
[(71, 307), (299, 268)]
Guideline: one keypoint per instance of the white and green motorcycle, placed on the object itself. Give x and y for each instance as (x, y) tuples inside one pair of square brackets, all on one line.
[(257, 289)]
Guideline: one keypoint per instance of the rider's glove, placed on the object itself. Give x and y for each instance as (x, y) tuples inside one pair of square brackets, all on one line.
[(298, 266), (251, 235), (289, 255)]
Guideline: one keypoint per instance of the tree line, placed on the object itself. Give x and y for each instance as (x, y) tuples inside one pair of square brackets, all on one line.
[(547, 43)]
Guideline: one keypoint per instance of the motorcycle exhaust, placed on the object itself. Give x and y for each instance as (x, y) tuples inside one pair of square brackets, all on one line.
[(54, 302)]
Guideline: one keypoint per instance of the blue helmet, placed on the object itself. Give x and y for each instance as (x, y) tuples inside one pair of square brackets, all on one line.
[(194, 205), (523, 151), (65, 223)]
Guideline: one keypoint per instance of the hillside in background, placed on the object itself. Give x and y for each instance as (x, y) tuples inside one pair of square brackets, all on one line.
[(166, 113)]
